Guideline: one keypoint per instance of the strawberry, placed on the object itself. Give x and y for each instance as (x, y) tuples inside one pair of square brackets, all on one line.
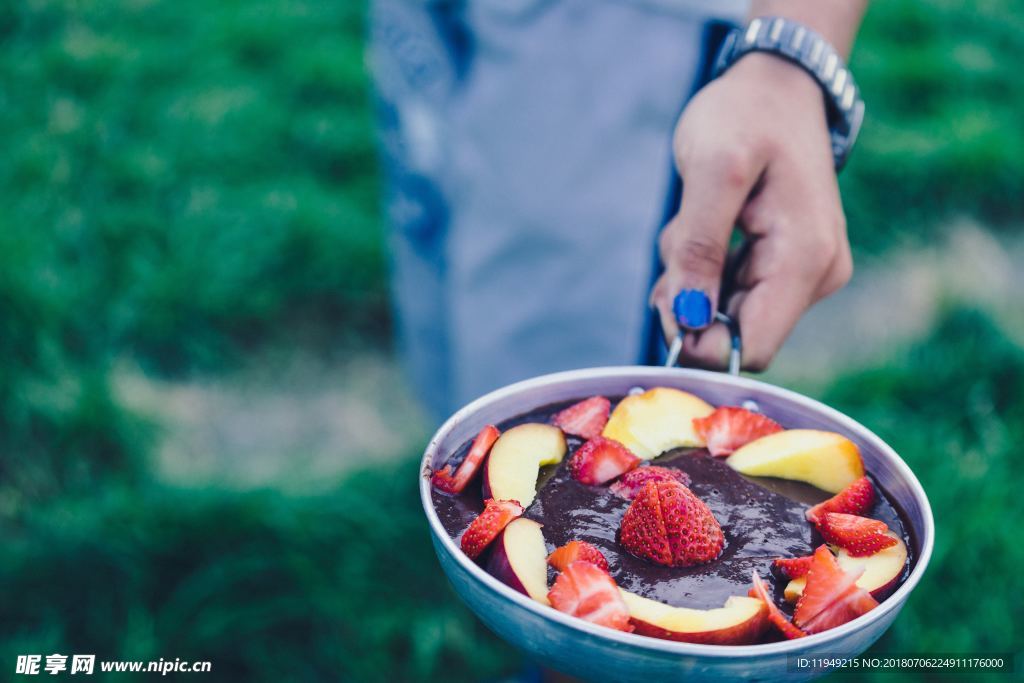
[(586, 591), (728, 428), (794, 567), (775, 615), (585, 419), (600, 460), (443, 480), (574, 551), (855, 499), (859, 536), (831, 596), (643, 530), (630, 483), (485, 528), (668, 525)]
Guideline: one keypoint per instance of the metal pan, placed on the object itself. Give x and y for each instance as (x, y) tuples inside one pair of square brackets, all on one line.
[(595, 653)]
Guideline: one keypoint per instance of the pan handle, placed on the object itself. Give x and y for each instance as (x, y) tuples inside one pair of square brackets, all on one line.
[(735, 352)]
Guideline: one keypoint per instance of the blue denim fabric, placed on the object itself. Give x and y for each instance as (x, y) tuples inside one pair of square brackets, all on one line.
[(525, 144)]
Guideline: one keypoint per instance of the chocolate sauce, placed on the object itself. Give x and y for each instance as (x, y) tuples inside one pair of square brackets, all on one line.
[(762, 518)]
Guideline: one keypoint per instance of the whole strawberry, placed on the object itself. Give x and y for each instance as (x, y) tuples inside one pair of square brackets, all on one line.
[(668, 525)]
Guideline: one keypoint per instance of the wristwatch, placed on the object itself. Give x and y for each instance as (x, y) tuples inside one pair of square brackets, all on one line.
[(800, 45)]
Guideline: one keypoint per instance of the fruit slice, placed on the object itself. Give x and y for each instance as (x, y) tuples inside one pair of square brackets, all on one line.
[(656, 421), (831, 596), (600, 460), (881, 570), (794, 567), (740, 622), (630, 483), (668, 525), (823, 459), (516, 458), (586, 591), (485, 528), (775, 615), (585, 419), (855, 499), (729, 428), (577, 550), (859, 536), (445, 481), (518, 559)]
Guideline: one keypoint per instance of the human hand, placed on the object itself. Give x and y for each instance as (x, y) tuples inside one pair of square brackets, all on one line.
[(753, 150)]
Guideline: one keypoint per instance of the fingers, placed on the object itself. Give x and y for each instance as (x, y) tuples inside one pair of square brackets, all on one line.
[(695, 243), (795, 260), (800, 261)]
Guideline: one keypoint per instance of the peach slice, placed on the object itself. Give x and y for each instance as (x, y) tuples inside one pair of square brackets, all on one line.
[(516, 458), (881, 570), (519, 559), (827, 460), (656, 421), (740, 622)]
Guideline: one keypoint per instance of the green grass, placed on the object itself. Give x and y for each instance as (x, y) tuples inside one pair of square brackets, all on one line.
[(343, 586), (942, 137), (181, 182), (189, 178)]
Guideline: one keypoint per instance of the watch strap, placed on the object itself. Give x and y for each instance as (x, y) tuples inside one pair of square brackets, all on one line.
[(804, 47)]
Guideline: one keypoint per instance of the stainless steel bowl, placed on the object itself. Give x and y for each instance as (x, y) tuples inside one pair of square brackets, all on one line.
[(595, 653)]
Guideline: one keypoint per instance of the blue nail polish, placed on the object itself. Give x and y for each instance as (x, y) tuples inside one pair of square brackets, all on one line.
[(692, 308)]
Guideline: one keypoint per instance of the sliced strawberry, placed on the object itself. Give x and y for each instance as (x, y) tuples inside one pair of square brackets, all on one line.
[(600, 460), (668, 525), (485, 528), (643, 530), (574, 551), (693, 532), (444, 480), (586, 591), (859, 536), (585, 419), (630, 483), (729, 427), (831, 596), (855, 499), (794, 567), (775, 615)]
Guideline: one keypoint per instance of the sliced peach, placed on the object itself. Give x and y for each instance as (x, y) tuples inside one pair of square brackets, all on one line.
[(741, 621), (656, 421), (881, 570), (519, 559), (511, 470), (827, 460)]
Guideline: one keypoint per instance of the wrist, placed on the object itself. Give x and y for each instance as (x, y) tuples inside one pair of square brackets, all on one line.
[(770, 72), (784, 40), (837, 22)]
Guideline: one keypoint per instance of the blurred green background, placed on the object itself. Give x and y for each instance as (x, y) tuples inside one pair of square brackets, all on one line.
[(206, 450)]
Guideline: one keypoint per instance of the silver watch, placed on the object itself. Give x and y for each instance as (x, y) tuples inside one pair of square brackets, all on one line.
[(800, 45)]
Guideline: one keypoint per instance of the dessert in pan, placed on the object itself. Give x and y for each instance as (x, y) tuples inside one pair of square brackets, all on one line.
[(662, 515)]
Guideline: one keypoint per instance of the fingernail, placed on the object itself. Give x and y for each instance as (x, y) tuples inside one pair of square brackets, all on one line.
[(692, 308)]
